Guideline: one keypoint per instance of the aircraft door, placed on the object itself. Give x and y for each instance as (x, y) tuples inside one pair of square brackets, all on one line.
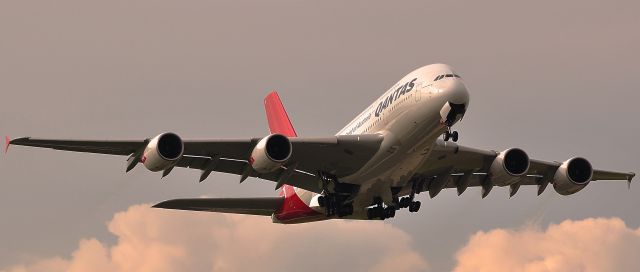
[(418, 93)]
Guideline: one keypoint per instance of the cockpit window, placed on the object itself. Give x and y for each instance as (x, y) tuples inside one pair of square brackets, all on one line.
[(446, 75)]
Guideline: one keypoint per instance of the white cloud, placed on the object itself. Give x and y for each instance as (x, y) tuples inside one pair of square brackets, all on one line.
[(594, 244), (161, 240)]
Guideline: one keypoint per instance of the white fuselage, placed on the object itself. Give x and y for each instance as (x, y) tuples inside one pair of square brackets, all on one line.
[(410, 117)]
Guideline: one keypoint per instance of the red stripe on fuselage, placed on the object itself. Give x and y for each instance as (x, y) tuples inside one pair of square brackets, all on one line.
[(292, 207)]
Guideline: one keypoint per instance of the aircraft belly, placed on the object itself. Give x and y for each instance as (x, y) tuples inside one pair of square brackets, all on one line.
[(399, 168)]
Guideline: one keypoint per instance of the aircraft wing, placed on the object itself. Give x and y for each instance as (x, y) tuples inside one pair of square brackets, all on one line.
[(338, 155), (256, 206), (450, 165)]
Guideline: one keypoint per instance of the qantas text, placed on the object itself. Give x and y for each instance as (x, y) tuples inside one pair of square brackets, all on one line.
[(403, 89)]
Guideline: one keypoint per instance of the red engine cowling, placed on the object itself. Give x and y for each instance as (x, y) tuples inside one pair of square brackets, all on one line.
[(270, 153), (509, 166), (162, 152), (572, 176)]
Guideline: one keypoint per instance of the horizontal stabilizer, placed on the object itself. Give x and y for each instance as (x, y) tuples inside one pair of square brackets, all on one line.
[(255, 206)]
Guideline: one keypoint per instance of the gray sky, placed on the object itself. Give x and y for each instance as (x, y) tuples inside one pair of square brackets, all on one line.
[(556, 78)]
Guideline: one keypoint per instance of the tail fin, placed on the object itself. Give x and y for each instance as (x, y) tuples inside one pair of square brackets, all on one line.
[(277, 116), (292, 207)]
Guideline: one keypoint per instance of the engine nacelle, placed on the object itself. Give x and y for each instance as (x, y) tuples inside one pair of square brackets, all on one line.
[(509, 166), (162, 152), (270, 153), (572, 176)]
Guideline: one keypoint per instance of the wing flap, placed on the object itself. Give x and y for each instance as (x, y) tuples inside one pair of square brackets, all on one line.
[(265, 206)]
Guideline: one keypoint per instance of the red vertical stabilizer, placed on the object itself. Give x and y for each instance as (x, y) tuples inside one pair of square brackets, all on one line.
[(277, 116), (293, 207), (7, 143)]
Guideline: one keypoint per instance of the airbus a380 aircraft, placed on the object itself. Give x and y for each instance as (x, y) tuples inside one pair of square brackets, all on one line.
[(371, 168)]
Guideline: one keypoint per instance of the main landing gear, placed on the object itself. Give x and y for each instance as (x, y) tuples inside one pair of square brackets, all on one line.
[(453, 135), (336, 196), (409, 201), (382, 213)]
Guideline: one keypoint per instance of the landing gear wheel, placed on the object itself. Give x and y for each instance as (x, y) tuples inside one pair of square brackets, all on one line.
[(404, 202), (322, 201), (345, 210), (381, 213), (414, 206), (371, 213), (389, 212), (450, 135)]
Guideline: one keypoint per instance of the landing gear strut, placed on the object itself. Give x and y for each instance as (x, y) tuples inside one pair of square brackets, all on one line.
[(335, 199), (453, 135)]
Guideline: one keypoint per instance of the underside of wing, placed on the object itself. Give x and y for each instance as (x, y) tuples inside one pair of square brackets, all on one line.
[(337, 155), (118, 147), (265, 206), (453, 166), (295, 178)]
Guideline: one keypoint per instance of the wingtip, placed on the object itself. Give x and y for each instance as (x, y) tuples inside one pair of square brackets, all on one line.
[(162, 205), (7, 143)]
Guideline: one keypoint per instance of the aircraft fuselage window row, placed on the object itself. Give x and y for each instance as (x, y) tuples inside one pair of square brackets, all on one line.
[(447, 75)]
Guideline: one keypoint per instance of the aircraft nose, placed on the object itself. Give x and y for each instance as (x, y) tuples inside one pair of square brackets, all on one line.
[(457, 92)]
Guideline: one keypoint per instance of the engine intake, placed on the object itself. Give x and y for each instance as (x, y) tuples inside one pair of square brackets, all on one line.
[(162, 152), (509, 166), (270, 153), (572, 176)]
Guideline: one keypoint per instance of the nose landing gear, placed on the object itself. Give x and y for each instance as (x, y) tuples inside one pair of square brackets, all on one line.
[(450, 135), (451, 113)]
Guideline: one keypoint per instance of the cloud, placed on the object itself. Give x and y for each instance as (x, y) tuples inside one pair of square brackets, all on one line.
[(161, 240), (594, 244)]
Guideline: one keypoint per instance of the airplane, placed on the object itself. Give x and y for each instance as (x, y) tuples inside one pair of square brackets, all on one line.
[(401, 145)]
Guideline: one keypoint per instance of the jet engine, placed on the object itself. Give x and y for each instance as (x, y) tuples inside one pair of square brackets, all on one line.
[(162, 152), (270, 153), (509, 166), (572, 176)]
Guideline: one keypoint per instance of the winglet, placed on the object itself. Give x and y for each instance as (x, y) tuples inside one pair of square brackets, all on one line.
[(631, 175), (7, 143)]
